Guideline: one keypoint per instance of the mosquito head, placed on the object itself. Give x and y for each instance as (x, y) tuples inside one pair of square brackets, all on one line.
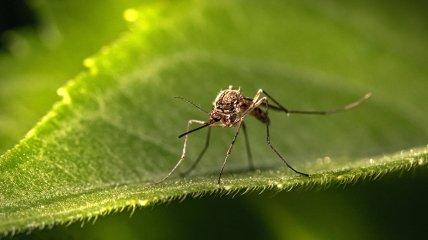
[(215, 116)]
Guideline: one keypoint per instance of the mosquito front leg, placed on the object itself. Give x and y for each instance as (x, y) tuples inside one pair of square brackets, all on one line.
[(183, 154), (229, 151), (207, 143)]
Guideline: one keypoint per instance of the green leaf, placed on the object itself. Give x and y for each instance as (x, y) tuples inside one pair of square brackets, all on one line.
[(41, 61), (115, 131)]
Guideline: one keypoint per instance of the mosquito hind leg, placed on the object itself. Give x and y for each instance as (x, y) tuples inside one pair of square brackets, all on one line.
[(278, 105), (183, 154), (247, 145), (265, 101), (207, 143), (347, 107)]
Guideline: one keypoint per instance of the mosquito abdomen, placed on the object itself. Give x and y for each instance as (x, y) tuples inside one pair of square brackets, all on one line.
[(260, 115)]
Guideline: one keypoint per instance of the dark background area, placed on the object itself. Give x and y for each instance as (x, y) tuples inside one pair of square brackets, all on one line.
[(15, 14)]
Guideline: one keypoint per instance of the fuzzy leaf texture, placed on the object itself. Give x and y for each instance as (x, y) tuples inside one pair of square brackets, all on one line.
[(115, 130)]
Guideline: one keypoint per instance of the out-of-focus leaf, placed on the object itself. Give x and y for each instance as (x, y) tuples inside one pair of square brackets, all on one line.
[(40, 61)]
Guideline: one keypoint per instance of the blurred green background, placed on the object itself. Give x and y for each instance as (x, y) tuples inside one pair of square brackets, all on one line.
[(38, 35)]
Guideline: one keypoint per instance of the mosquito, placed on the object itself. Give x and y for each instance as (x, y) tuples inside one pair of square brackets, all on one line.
[(230, 108)]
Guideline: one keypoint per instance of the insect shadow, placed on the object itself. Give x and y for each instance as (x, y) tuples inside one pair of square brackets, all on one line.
[(230, 108)]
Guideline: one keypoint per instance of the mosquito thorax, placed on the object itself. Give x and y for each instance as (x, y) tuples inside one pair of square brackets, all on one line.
[(228, 105), (228, 101)]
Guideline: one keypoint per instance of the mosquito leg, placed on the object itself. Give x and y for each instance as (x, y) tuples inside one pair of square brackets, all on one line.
[(207, 143), (183, 154), (253, 103), (247, 144), (276, 102), (228, 152), (279, 107), (273, 148)]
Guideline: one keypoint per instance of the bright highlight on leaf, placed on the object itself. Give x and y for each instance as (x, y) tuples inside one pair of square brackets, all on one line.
[(100, 148), (130, 15)]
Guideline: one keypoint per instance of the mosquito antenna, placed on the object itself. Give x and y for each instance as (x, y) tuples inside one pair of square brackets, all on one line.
[(195, 129), (192, 103)]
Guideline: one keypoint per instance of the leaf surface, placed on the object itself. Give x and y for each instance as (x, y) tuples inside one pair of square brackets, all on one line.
[(115, 130)]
